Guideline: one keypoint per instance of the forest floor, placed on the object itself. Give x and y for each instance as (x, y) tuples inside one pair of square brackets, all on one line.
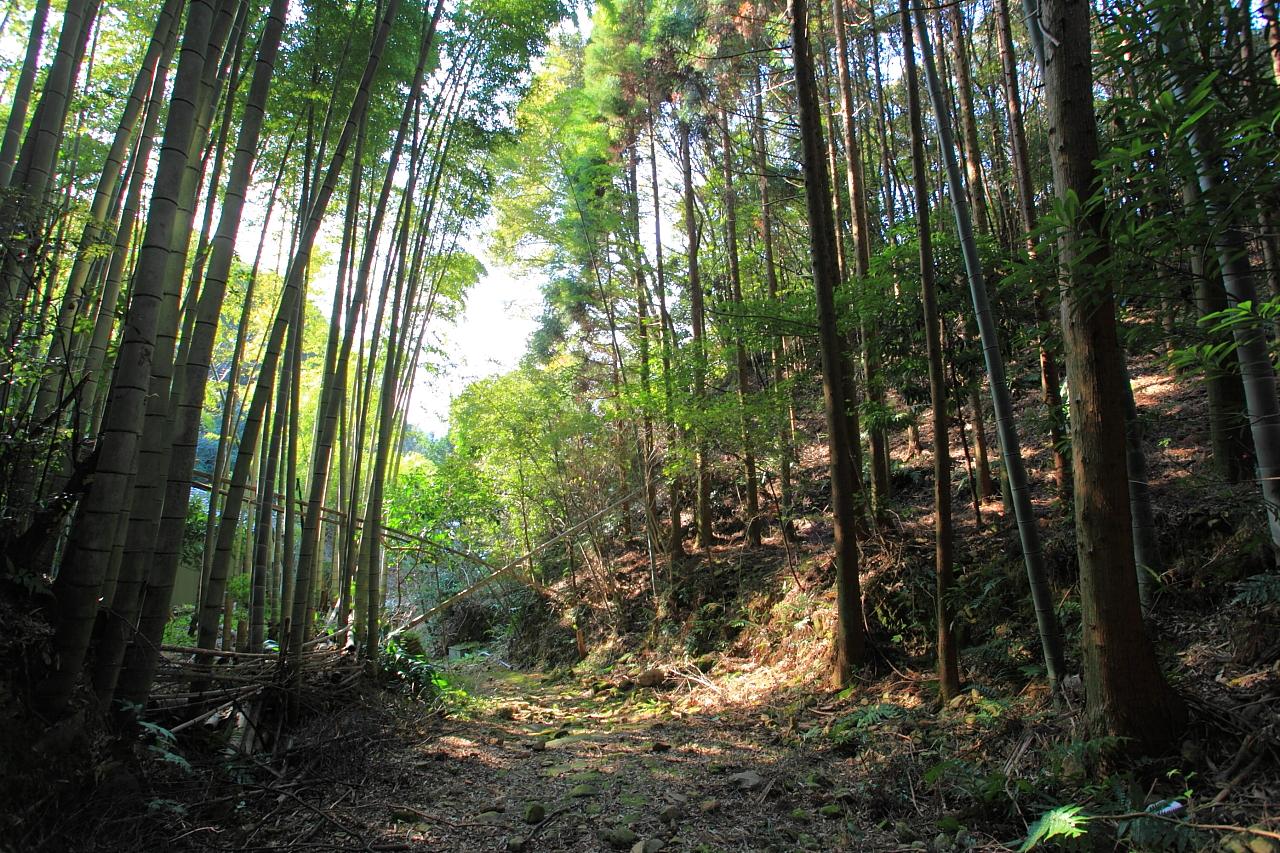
[(561, 762), (551, 762), (746, 757)]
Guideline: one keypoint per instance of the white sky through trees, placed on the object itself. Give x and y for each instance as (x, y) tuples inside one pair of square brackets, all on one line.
[(488, 339)]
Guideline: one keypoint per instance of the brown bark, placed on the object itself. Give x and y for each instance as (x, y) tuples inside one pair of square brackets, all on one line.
[(860, 230), (968, 119), (1127, 695), (753, 520), (693, 234), (948, 658), (850, 640), (1273, 35), (1050, 379)]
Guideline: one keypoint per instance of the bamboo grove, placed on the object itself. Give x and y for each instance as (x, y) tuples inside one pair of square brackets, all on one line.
[(231, 229), (151, 339)]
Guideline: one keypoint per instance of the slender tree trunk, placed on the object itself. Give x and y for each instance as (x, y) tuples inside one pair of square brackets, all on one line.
[(231, 400), (850, 639), (126, 578), (859, 228), (849, 375), (104, 322), (184, 431), (985, 482), (948, 658), (1273, 35), (1233, 260), (635, 256), (155, 444), (61, 342), (292, 294), (675, 533), (693, 234), (338, 355), (288, 562), (754, 521), (22, 93), (786, 450), (1148, 562), (1228, 424), (37, 157), (1020, 158), (401, 309), (882, 125), (968, 121), (263, 542)]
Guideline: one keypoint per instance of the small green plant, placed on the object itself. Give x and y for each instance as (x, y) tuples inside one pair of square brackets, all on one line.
[(993, 789), (177, 630), (1075, 757), (1061, 822), (163, 744), (409, 671), (1161, 833), (1258, 591), (847, 731)]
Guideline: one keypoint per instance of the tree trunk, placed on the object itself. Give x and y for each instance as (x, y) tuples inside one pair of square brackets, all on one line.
[(693, 234), (287, 310), (147, 493), (263, 541), (860, 230), (968, 121), (1256, 369), (1273, 35), (22, 93), (635, 255), (786, 449), (849, 375), (754, 521), (1228, 424), (94, 358), (194, 373), (675, 533), (1050, 381), (338, 355), (948, 658), (61, 343), (84, 566), (850, 639), (1126, 694)]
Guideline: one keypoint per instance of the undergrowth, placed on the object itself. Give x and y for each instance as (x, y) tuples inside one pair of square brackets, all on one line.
[(403, 666)]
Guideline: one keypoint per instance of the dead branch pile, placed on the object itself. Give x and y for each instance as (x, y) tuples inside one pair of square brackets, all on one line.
[(246, 691)]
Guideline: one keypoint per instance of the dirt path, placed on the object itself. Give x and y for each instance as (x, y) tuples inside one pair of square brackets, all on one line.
[(536, 763)]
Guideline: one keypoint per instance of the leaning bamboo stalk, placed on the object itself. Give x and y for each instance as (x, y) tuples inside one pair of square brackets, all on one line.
[(22, 92), (60, 344), (1010, 445)]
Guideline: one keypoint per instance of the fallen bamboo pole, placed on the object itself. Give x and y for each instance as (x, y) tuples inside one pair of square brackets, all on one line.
[(499, 572)]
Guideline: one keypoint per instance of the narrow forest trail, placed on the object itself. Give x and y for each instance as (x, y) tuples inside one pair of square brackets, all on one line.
[(541, 762)]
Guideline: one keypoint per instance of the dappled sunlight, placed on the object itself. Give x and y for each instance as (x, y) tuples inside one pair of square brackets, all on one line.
[(647, 759)]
